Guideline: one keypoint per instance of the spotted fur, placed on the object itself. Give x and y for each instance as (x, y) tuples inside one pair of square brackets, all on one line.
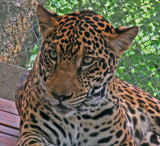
[(71, 96)]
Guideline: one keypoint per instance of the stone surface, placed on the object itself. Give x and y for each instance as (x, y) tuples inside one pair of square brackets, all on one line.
[(9, 77), (19, 32)]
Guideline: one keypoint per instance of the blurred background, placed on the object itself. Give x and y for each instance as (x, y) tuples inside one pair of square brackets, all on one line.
[(20, 39)]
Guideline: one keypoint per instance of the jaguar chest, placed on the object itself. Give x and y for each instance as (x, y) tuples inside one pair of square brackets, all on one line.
[(104, 125)]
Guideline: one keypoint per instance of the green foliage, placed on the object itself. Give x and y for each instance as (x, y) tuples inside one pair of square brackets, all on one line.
[(140, 64), (34, 53)]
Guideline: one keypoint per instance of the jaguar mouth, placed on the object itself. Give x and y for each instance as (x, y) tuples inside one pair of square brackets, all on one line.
[(61, 108)]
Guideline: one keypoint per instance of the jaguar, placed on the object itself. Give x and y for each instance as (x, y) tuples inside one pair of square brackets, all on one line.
[(71, 96)]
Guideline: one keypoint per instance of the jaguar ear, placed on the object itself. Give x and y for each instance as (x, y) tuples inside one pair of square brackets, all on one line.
[(123, 39), (47, 20)]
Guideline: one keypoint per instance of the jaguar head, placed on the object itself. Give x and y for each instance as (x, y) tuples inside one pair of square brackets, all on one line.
[(79, 55)]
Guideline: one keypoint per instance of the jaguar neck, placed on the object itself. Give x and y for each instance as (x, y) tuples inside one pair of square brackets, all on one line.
[(112, 92)]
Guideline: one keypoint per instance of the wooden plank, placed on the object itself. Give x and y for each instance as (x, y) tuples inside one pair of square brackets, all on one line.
[(6, 140), (9, 120), (9, 123), (8, 106), (9, 131)]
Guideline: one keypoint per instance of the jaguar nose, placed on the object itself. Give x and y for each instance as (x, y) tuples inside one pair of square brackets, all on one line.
[(61, 97)]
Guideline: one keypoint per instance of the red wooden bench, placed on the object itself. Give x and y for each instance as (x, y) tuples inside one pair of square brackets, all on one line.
[(9, 123)]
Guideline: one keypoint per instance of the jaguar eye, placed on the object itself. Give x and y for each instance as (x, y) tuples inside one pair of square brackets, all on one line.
[(53, 55), (88, 60)]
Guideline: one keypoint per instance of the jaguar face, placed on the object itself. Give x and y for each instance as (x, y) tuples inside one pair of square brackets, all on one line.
[(79, 55)]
